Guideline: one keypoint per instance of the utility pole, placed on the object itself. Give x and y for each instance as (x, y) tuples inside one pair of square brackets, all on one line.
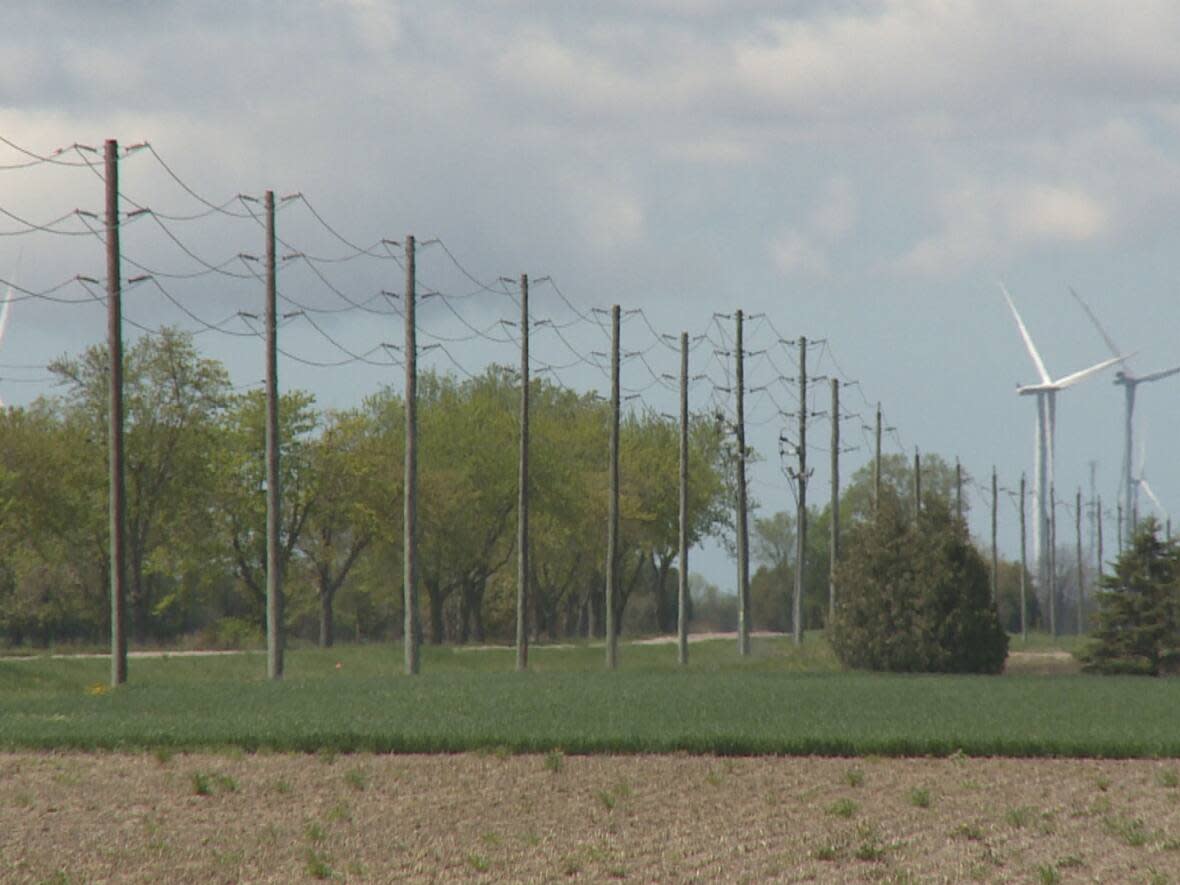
[(522, 511), (612, 537), (1097, 525), (1052, 560), (1023, 569), (412, 628), (835, 507), (1081, 595), (1120, 527), (877, 466), (917, 483), (743, 538), (801, 499), (274, 561), (116, 501), (682, 580), (959, 489), (995, 549)]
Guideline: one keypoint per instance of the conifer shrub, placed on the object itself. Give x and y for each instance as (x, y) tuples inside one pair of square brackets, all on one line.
[(1138, 628), (915, 596)]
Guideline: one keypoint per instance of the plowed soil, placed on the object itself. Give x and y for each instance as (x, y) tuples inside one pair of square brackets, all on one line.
[(284, 818)]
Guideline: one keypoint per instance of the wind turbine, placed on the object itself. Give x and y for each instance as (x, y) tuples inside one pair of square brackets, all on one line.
[(1129, 381), (1046, 394), (6, 307)]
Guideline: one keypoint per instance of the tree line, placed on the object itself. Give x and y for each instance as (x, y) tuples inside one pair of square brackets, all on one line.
[(196, 514), (196, 511)]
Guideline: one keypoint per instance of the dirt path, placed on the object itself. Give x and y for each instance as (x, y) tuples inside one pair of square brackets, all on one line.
[(278, 818)]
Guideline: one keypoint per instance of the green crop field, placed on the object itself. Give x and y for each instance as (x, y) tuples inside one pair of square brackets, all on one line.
[(780, 701)]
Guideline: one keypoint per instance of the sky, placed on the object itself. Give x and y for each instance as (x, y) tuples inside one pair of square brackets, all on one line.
[(860, 173)]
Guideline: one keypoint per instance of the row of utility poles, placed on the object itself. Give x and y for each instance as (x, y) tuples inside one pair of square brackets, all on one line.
[(799, 474)]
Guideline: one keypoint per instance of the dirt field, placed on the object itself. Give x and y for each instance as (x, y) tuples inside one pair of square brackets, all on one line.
[(279, 818)]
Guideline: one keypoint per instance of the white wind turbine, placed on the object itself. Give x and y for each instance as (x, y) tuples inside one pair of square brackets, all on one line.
[(1129, 381), (1046, 393), (6, 308)]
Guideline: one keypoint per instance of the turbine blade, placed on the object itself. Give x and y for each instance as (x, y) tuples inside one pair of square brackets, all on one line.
[(1114, 348), (1028, 342), (1156, 376), (1070, 380), (1154, 500)]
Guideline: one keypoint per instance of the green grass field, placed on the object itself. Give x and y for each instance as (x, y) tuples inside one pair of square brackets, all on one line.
[(779, 701)]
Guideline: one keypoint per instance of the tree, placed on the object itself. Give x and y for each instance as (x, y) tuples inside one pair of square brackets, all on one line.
[(172, 400), (239, 509), (918, 596), (353, 488), (1139, 609)]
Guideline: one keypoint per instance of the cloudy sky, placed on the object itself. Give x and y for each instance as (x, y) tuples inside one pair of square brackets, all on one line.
[(858, 172)]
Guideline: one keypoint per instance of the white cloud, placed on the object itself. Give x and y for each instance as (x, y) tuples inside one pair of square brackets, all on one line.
[(607, 214), (806, 249), (983, 221), (794, 253), (1044, 212)]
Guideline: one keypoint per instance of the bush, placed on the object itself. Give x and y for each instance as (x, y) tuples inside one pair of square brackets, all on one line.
[(1139, 609), (916, 597)]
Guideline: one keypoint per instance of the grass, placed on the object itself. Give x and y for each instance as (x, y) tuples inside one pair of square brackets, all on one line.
[(780, 700)]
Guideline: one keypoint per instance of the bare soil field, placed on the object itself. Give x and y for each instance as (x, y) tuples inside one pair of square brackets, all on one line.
[(284, 818)]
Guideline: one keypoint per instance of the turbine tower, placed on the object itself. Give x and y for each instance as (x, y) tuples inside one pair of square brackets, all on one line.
[(1046, 394), (6, 306), (1129, 381)]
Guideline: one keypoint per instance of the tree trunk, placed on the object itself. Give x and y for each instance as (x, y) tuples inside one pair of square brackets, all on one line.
[(327, 617)]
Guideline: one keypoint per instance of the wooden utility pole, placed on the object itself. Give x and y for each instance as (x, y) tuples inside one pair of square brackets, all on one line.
[(1098, 531), (412, 628), (522, 510), (682, 580), (917, 483), (743, 538), (1120, 528), (1023, 568), (1052, 560), (877, 466), (835, 508), (995, 549), (274, 558), (612, 536), (1081, 592), (959, 489), (800, 500), (115, 500)]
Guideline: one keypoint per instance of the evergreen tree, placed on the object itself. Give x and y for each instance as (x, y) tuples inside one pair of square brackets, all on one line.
[(1139, 609), (918, 598)]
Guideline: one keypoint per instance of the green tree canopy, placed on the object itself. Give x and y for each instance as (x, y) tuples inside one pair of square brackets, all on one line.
[(916, 596)]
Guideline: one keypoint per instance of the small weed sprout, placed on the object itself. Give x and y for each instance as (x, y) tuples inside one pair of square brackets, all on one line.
[(1047, 874), (479, 863), (713, 778), (1103, 783), (920, 797), (226, 783), (315, 833), (202, 785), (318, 866), (1131, 831), (340, 813), (842, 808), (607, 799), (854, 777), (356, 778), (1168, 777), (163, 755), (554, 761), (1020, 816), (283, 787), (969, 831)]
